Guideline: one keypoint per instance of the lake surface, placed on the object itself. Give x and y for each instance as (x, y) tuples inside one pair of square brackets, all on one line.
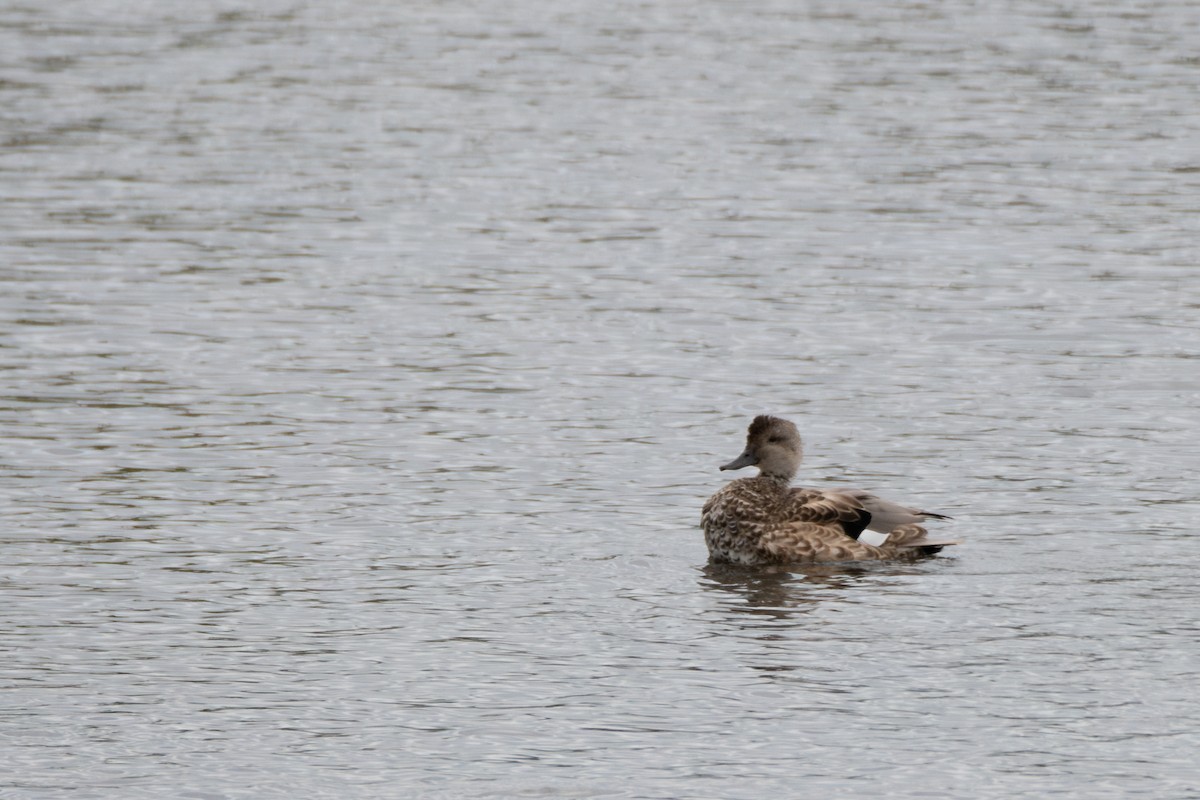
[(365, 367)]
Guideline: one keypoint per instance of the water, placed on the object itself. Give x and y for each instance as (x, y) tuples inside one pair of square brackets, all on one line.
[(366, 365)]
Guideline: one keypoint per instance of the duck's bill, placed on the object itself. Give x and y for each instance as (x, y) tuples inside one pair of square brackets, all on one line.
[(746, 459)]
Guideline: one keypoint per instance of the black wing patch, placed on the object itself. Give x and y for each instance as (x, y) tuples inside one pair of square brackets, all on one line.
[(854, 527)]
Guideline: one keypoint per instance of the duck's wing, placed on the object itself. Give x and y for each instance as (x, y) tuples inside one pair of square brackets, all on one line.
[(899, 522), (833, 510), (886, 516), (815, 542)]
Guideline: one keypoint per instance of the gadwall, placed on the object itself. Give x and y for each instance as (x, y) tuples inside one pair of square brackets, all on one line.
[(763, 520)]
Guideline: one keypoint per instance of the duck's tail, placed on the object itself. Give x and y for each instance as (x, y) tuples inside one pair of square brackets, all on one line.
[(914, 537)]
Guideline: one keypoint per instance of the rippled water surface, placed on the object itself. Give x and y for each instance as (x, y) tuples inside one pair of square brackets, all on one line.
[(365, 366)]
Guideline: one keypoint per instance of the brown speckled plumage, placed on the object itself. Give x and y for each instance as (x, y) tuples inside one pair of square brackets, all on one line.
[(762, 520)]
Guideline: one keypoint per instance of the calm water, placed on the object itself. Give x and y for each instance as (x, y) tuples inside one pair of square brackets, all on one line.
[(365, 367)]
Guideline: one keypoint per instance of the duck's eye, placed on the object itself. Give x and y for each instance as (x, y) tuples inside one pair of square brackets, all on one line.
[(775, 439)]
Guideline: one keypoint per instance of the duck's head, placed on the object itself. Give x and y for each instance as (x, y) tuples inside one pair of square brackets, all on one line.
[(772, 445)]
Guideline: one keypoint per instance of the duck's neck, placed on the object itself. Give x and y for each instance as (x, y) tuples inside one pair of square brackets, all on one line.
[(783, 480)]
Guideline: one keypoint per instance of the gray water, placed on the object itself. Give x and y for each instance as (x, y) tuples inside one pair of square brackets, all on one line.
[(365, 367)]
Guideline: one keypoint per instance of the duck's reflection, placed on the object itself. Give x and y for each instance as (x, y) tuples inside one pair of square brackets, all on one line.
[(783, 591), (768, 614)]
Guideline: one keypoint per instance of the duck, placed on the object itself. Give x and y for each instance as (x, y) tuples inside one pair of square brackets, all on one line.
[(765, 520)]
